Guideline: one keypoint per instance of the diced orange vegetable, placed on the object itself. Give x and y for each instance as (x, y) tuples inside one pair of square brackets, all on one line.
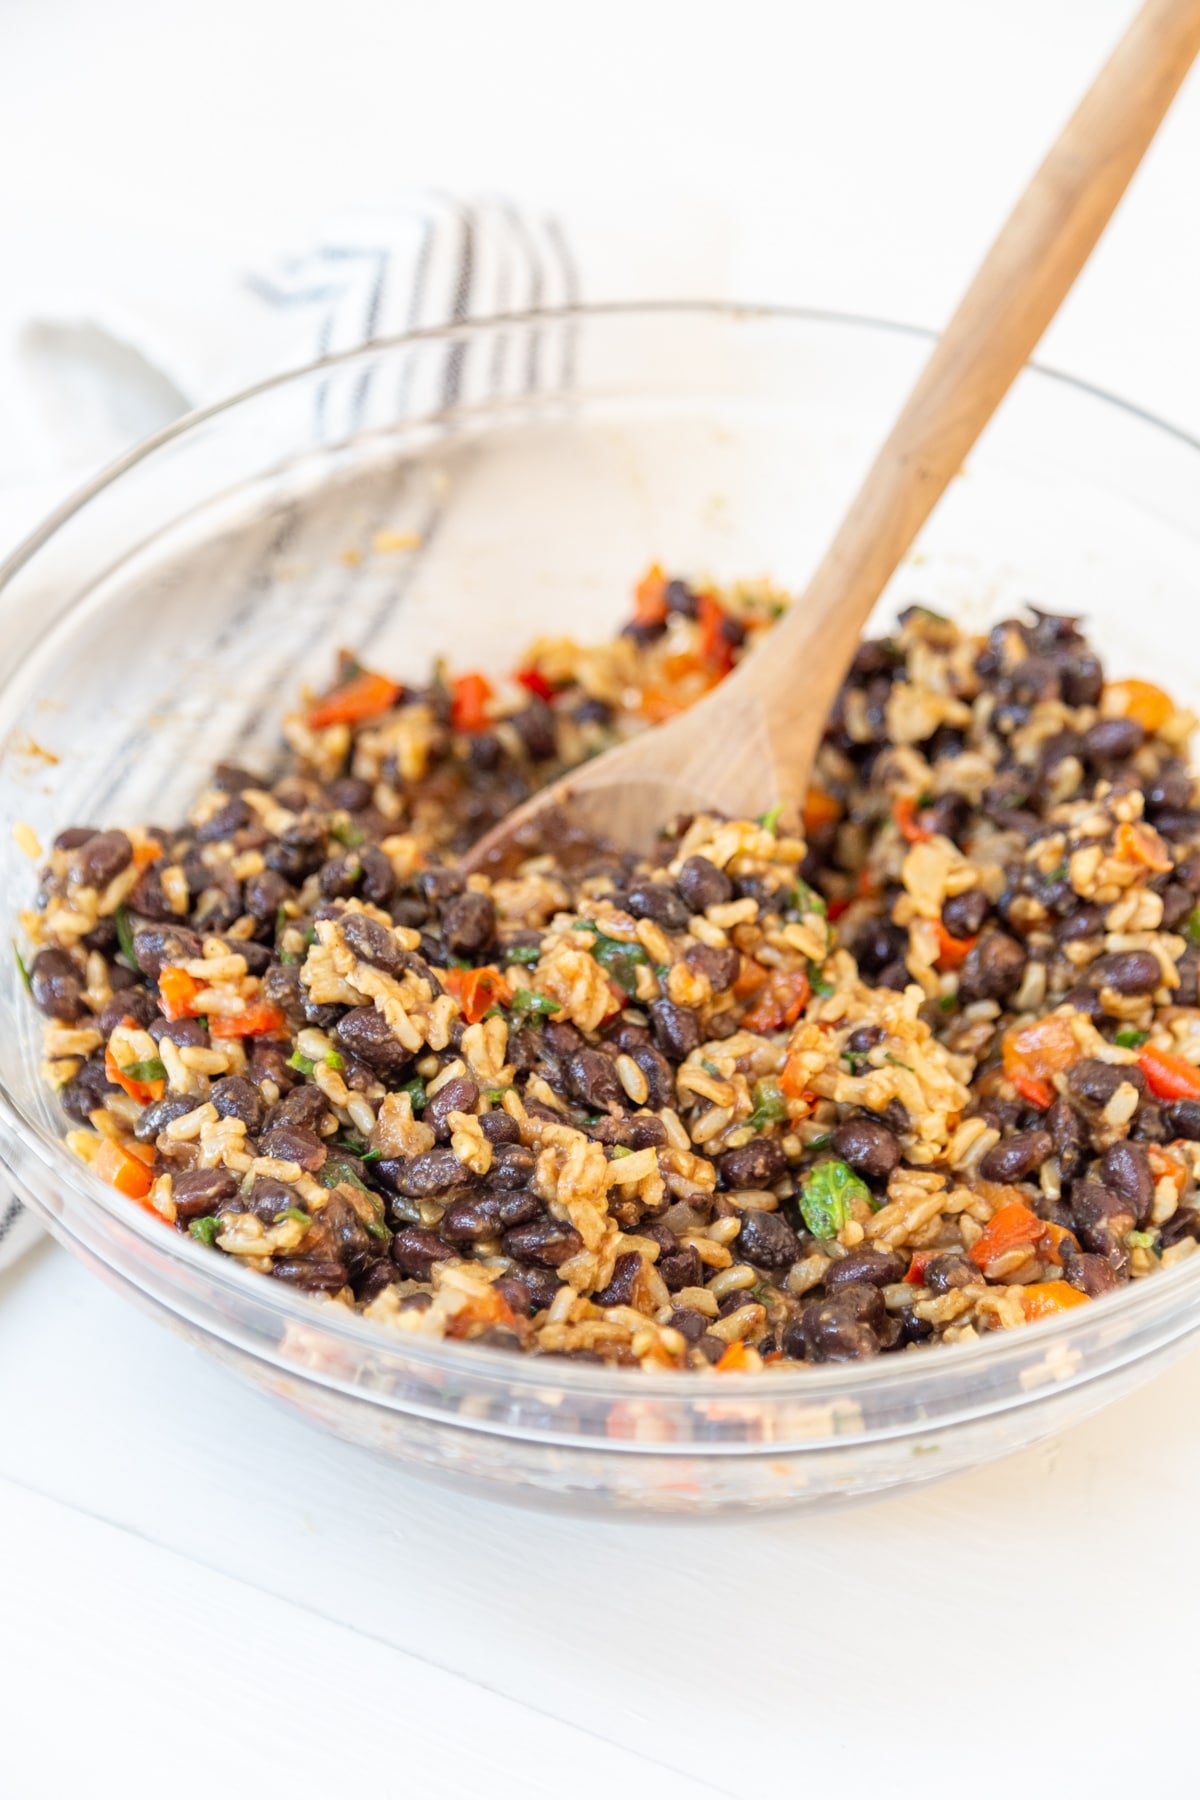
[(780, 1001), (480, 1310), (141, 1091), (126, 1172), (1165, 1165), (1140, 700), (650, 597), (258, 1020), (820, 809), (793, 1081), (735, 1359), (917, 1267), (713, 647), (362, 697), (953, 952), (1040, 1050), (476, 990), (145, 854), (1042, 1299), (469, 697), (751, 978), (1139, 843), (1169, 1077), (177, 992), (904, 811), (1037, 1093), (1007, 1229)]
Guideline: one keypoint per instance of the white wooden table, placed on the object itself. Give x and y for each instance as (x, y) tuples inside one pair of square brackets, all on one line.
[(199, 1595)]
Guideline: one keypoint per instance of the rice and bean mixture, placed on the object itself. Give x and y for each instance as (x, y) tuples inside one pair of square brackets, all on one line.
[(918, 1066)]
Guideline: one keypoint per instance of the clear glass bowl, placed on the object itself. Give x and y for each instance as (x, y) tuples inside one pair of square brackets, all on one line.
[(164, 618)]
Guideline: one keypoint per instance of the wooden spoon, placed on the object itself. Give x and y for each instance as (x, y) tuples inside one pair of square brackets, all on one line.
[(749, 746)]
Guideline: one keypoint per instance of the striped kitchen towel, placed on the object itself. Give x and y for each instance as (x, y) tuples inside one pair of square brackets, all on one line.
[(87, 373)]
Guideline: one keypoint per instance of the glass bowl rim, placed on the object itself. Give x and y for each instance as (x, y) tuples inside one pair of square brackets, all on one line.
[(893, 1375)]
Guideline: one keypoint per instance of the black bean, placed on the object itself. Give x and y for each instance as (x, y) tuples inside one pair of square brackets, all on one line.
[(1102, 1220), (1184, 1119), (863, 1301), (1084, 921), (236, 1098), (682, 1268), (306, 1106), (689, 1323), (372, 942), (498, 1128), (516, 1206), (1188, 967), (315, 1277), (542, 1285), (1015, 1157), (300, 850), (415, 1250), (102, 857), (703, 885), (268, 1063), (676, 1028), (419, 1177), (257, 957), (655, 900), (1127, 972), (1171, 787), (267, 1197), (366, 1034), (619, 1290), (963, 914), (719, 967), (1112, 740), (753, 1165), (1092, 1275), (74, 836), (864, 1038), (831, 1333), (460, 1095), (880, 1268), (294, 1143), (767, 1239), (951, 1271), (547, 1242), (514, 1291), (234, 816), (660, 1081), (1069, 1136), (264, 894), (1125, 1169), (1098, 1081), (156, 945), (868, 1146), (534, 725), (1084, 1000), (469, 924), (593, 1080), (87, 1089), (512, 1165), (198, 1193), (471, 1219), (341, 875), (993, 969), (379, 878), (878, 944), (156, 1117), (57, 986)]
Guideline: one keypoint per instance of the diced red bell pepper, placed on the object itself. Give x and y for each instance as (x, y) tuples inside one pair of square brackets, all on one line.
[(1169, 1077), (477, 990), (469, 697), (713, 646), (361, 697), (258, 1020), (534, 682), (177, 992)]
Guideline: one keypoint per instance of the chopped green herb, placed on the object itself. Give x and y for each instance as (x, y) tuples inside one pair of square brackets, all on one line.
[(350, 1141), (896, 1063), (1061, 873), (282, 920), (415, 1089), (924, 799), (805, 899), (125, 937), (761, 1291), (346, 832), (818, 982), (662, 970), (528, 1005), (525, 954), (947, 1003), (619, 960), (494, 1012), (377, 1229), (153, 1069), (26, 978), (205, 1231), (459, 962), (822, 1141), (304, 1064), (310, 936), (621, 1150), (710, 1068), (292, 1212), (496, 1095), (370, 1156), (1140, 1240), (334, 1060), (770, 820), (827, 1195), (770, 1107), (1131, 1040), (927, 613), (582, 925), (334, 1171), (1191, 926), (202, 1021), (290, 957), (855, 1060)]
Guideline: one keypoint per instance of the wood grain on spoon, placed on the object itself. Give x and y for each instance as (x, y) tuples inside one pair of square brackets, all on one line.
[(750, 744)]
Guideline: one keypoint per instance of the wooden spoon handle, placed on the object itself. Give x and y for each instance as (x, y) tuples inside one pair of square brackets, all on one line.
[(1029, 269)]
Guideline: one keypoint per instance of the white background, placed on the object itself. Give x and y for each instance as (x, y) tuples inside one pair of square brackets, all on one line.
[(198, 1594)]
